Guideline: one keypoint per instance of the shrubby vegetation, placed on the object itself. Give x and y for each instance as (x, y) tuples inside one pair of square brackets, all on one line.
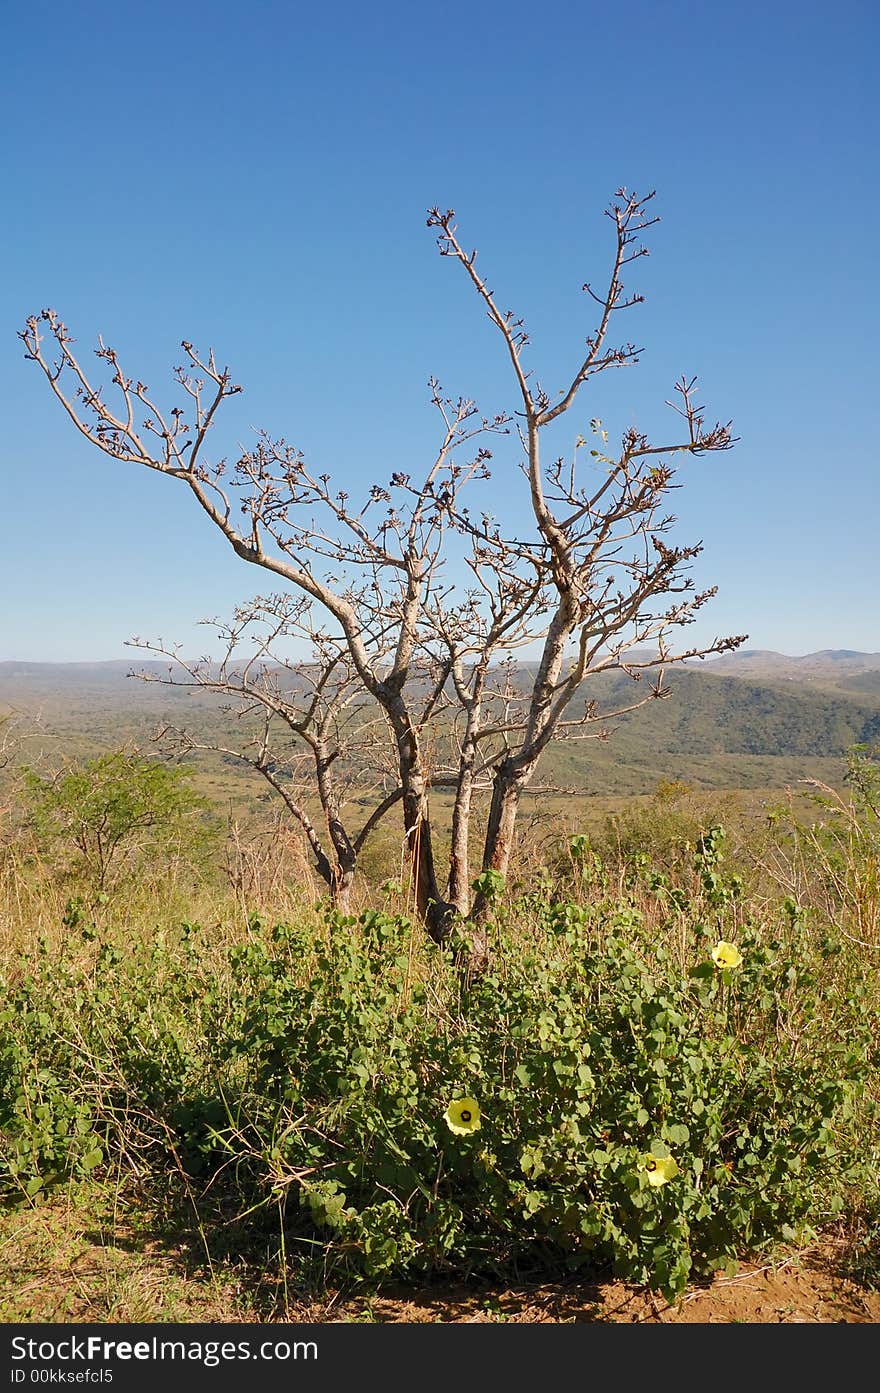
[(619, 1092), (107, 817)]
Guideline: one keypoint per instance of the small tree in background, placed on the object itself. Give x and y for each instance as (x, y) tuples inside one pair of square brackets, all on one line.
[(107, 814), (592, 584)]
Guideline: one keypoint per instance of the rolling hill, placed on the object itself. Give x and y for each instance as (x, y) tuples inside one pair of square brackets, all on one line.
[(751, 720), (836, 668)]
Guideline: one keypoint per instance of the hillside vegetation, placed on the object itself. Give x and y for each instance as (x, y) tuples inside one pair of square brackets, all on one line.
[(670, 1064), (714, 731)]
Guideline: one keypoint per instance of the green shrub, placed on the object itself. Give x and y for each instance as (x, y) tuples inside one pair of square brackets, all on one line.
[(585, 1062), (111, 815), (311, 1082), (98, 1045)]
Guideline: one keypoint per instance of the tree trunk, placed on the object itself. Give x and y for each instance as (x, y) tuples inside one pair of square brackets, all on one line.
[(434, 911), (459, 859), (510, 779), (340, 891)]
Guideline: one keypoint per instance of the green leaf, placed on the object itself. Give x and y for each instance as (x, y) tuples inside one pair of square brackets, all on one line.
[(678, 1134)]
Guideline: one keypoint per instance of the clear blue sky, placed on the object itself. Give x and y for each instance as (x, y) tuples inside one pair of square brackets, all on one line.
[(255, 177)]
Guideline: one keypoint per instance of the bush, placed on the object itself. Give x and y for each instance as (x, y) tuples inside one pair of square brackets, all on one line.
[(588, 1065), (110, 815), (626, 1114)]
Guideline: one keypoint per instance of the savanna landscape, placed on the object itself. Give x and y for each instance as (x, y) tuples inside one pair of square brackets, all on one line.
[(439, 671), (223, 1100)]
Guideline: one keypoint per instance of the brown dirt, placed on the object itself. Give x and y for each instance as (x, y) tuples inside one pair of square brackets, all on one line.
[(58, 1264), (809, 1286), (802, 1289)]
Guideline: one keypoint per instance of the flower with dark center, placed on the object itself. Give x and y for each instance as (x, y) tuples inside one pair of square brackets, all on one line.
[(463, 1116), (659, 1169), (726, 955)]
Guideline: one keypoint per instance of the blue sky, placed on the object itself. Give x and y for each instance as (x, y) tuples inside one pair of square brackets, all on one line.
[(256, 178)]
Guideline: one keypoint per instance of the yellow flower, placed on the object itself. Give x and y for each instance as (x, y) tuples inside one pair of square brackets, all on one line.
[(463, 1116), (660, 1169), (726, 954)]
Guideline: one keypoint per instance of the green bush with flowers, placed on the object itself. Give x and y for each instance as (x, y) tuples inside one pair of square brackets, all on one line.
[(607, 1098), (579, 1107)]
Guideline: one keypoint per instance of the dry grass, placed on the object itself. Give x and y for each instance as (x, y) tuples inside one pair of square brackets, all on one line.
[(78, 1259)]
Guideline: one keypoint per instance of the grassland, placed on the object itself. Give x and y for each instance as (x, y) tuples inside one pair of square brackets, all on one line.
[(221, 1102)]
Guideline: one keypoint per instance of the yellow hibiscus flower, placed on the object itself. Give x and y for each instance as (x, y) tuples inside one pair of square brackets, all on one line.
[(726, 954), (463, 1116), (659, 1169)]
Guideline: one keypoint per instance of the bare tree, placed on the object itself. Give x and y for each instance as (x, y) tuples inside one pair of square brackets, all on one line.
[(593, 584), (7, 727), (606, 599)]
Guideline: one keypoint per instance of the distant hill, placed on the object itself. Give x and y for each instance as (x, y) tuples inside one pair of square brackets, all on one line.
[(51, 679), (717, 731), (751, 720), (830, 667)]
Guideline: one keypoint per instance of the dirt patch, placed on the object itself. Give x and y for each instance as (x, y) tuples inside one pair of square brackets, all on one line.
[(782, 1295), (56, 1267), (801, 1288)]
